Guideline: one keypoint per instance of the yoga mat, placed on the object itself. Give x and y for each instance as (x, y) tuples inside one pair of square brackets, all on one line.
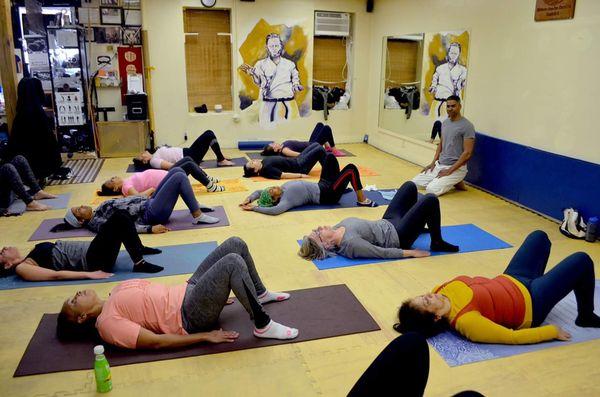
[(316, 173), (83, 171), (322, 312), (258, 156), (17, 207), (231, 186), (348, 200), (206, 164), (179, 220), (176, 259), (468, 237), (456, 350)]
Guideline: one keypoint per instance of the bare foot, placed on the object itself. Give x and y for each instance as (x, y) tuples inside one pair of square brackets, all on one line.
[(460, 186), (225, 163), (37, 206), (41, 195)]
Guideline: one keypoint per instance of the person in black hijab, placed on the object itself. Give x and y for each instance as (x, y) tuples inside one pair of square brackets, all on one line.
[(32, 131)]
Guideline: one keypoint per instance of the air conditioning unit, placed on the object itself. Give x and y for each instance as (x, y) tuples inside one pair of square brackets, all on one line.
[(332, 24)]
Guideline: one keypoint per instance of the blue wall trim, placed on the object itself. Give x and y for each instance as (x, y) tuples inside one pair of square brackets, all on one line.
[(543, 181)]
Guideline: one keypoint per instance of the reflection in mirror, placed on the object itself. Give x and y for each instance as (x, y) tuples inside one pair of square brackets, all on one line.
[(419, 71)]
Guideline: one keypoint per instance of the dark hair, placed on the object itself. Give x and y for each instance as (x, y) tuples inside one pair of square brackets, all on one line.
[(106, 191), (61, 227), (140, 165), (268, 150), (412, 319), (30, 96), (273, 36), (453, 98), (67, 330), (249, 171), (7, 272)]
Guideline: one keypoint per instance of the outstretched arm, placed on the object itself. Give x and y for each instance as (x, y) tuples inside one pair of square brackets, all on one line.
[(30, 272), (149, 340)]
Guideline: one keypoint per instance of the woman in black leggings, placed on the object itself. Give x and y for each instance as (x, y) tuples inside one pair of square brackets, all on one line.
[(165, 157), (388, 238), (322, 134), (74, 260), (276, 200)]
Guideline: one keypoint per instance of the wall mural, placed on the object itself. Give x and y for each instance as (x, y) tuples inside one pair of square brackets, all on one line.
[(273, 74), (447, 56)]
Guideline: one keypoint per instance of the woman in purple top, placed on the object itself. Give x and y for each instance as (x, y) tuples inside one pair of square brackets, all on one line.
[(321, 134)]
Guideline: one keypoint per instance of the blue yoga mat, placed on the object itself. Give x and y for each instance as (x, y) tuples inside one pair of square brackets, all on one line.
[(252, 145), (468, 237), (176, 259), (60, 202), (456, 350), (348, 200)]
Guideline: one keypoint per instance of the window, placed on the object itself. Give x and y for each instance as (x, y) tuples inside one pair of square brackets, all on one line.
[(332, 67), (208, 58), (403, 63)]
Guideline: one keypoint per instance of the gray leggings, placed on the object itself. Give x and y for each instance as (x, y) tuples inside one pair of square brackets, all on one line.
[(16, 176), (229, 267)]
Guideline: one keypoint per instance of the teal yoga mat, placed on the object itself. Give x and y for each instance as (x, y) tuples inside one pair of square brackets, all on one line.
[(176, 259), (468, 237)]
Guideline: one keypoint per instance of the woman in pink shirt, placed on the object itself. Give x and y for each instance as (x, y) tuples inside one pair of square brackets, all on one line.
[(139, 314), (145, 183)]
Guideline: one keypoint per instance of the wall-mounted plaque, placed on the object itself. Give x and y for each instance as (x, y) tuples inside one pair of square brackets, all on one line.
[(550, 10)]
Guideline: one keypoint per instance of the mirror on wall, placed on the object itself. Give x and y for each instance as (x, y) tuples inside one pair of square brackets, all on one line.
[(419, 71)]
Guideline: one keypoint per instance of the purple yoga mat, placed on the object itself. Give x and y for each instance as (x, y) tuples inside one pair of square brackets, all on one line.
[(321, 312), (179, 220)]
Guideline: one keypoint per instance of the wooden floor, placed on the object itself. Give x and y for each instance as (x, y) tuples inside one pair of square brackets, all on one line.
[(327, 367)]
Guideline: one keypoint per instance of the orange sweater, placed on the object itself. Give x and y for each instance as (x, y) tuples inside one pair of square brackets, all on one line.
[(494, 310)]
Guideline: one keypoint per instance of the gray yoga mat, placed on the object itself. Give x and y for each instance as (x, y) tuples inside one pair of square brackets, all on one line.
[(176, 259), (179, 220), (239, 162), (61, 201), (321, 312)]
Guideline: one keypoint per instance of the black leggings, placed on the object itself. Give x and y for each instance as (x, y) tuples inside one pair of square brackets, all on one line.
[(200, 146), (409, 215), (16, 176), (309, 157), (190, 167), (104, 249), (436, 129), (401, 369), (322, 134), (333, 182)]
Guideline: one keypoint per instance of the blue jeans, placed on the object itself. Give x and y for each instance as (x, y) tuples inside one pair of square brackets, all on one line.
[(175, 184), (574, 273)]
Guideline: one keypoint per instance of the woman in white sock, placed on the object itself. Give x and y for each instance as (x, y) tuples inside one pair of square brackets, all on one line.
[(140, 315)]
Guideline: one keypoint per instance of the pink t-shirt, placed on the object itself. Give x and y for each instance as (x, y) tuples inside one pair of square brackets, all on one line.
[(139, 303), (141, 181)]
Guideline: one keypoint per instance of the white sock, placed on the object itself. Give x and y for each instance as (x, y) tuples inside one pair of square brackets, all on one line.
[(269, 296), (203, 218), (274, 330), (213, 187)]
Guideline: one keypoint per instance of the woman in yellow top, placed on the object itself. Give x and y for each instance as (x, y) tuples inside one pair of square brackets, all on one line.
[(509, 308)]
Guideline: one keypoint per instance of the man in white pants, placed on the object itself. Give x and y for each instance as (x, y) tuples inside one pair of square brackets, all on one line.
[(449, 165)]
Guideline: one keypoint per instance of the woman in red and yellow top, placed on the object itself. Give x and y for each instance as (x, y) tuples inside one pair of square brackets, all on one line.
[(509, 308)]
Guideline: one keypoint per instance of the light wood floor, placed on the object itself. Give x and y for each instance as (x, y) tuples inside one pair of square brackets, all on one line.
[(327, 367)]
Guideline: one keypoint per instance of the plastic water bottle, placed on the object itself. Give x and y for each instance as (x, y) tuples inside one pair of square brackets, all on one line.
[(102, 371), (592, 229)]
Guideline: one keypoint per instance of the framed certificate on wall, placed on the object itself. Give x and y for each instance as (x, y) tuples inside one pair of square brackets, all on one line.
[(551, 10)]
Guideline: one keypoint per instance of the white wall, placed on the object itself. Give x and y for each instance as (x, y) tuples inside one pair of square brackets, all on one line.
[(164, 22), (533, 83)]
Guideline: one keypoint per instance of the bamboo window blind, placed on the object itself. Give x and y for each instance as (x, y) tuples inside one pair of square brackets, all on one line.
[(329, 60), (402, 62), (208, 58)]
